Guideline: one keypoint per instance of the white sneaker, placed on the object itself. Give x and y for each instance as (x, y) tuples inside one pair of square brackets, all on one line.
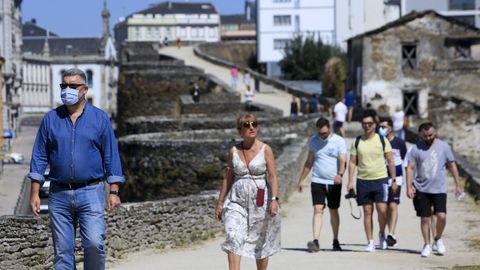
[(426, 251), (383, 241), (370, 246), (440, 247)]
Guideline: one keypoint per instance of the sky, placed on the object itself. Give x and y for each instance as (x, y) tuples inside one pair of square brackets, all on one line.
[(82, 18)]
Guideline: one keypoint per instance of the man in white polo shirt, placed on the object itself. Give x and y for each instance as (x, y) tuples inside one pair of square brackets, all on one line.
[(327, 155), (340, 112)]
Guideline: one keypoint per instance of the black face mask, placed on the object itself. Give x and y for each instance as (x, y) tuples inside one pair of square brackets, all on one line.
[(429, 142)]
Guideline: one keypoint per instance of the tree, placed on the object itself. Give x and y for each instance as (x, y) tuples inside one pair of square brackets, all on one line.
[(333, 82), (305, 58)]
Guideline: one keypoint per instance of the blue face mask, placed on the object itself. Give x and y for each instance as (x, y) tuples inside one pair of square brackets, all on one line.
[(69, 96), (383, 131)]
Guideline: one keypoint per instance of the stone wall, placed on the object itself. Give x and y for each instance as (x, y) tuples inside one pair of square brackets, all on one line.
[(243, 54), (165, 165)]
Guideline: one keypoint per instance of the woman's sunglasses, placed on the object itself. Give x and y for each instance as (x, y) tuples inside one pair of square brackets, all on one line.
[(249, 124)]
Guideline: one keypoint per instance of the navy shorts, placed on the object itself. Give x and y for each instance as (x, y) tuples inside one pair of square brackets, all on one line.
[(423, 203), (394, 197), (370, 191), (338, 125), (331, 192)]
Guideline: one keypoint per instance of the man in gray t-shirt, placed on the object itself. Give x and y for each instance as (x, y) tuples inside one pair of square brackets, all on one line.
[(428, 159)]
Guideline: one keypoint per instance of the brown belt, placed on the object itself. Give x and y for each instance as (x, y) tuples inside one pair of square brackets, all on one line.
[(79, 185)]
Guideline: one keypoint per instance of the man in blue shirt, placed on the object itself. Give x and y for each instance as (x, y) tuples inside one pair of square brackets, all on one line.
[(77, 141), (327, 155), (350, 101)]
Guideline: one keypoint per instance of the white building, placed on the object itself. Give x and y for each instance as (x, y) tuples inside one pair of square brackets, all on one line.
[(47, 56), (191, 22), (334, 21)]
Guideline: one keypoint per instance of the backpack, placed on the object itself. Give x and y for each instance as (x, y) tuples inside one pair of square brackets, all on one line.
[(357, 141)]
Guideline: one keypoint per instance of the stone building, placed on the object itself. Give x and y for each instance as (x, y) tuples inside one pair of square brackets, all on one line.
[(10, 51), (46, 56), (191, 22), (405, 61)]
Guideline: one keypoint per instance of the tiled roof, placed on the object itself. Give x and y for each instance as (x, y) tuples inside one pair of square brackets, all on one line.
[(234, 19), (179, 8), (64, 46), (32, 30)]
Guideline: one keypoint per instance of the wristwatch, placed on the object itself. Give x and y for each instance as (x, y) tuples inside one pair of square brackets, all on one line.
[(275, 198), (114, 192), (341, 174)]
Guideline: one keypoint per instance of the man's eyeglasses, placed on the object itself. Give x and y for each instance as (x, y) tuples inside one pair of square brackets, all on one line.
[(249, 124), (367, 124), (71, 85)]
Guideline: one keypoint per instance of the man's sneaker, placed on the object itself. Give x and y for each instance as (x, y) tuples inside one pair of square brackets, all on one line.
[(336, 245), (391, 240), (370, 246), (313, 246), (426, 251), (440, 247), (383, 241)]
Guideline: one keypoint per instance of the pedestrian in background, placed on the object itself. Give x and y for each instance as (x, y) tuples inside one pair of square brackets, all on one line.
[(350, 102), (399, 150), (327, 156), (77, 141), (248, 200), (293, 108), (249, 94), (428, 189), (234, 77), (398, 118), (340, 112)]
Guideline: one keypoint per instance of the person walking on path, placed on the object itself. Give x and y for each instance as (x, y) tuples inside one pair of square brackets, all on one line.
[(77, 141), (327, 156), (350, 102), (293, 108), (399, 150), (246, 79), (340, 112), (398, 118), (368, 153), (234, 77), (428, 189), (248, 200), (195, 93), (249, 94)]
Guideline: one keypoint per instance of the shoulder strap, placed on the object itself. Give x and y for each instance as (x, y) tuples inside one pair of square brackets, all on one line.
[(357, 141), (382, 140)]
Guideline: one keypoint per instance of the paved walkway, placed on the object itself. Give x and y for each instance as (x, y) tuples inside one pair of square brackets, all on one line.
[(13, 174), (268, 95), (463, 220)]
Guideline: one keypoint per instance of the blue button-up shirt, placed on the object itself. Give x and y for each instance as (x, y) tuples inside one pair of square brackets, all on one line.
[(78, 152)]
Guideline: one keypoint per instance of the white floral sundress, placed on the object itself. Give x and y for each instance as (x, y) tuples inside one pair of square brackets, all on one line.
[(250, 230)]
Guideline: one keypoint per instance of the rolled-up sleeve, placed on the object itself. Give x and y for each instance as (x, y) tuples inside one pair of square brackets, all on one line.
[(111, 157), (39, 160)]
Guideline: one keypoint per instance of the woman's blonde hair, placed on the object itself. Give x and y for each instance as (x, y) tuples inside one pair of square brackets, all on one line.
[(243, 118)]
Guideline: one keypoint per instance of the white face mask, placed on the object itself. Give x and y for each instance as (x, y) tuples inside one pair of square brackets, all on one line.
[(69, 96), (383, 131)]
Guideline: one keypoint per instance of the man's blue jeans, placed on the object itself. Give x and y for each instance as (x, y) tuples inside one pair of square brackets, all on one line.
[(83, 206)]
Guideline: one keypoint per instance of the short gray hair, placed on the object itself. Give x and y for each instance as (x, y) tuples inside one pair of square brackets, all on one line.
[(75, 72)]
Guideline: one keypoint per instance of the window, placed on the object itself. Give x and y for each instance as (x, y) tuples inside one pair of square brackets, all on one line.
[(409, 57), (200, 32), (466, 19), (213, 32), (282, 20), (462, 52), (89, 78), (410, 101), (297, 23), (282, 1), (461, 4), (279, 44), (183, 31)]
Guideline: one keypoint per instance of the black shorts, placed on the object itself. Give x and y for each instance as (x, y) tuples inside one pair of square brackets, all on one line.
[(331, 192), (394, 197), (338, 125), (423, 203), (370, 191)]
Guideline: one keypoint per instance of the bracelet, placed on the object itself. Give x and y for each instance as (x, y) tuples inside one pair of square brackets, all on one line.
[(114, 192)]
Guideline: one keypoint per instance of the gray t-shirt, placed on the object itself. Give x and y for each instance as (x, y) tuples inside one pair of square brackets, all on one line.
[(430, 162)]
